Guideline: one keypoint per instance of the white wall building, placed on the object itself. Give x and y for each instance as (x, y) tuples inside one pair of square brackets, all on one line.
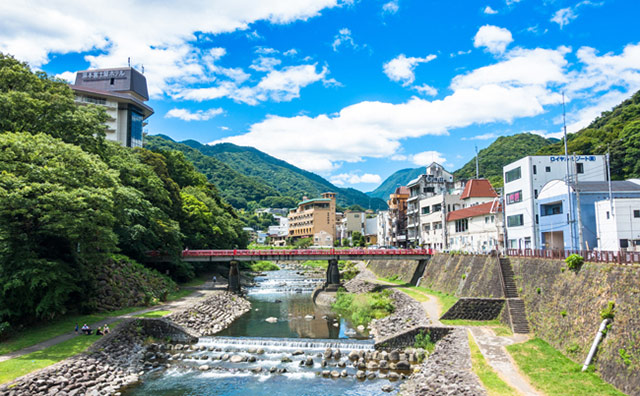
[(618, 224), (524, 179), (476, 229), (384, 227), (432, 219)]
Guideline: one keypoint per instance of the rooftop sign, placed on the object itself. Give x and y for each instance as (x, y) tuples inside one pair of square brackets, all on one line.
[(103, 74)]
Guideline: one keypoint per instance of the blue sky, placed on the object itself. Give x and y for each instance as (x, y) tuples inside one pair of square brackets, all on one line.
[(352, 90)]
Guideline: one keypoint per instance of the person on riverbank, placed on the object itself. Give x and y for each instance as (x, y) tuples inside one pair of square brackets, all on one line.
[(99, 331), (77, 328), (215, 280), (106, 329)]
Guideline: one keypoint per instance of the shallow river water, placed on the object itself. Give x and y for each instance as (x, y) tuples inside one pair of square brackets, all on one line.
[(286, 296)]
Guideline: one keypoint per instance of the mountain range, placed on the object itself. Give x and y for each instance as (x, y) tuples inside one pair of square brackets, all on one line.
[(245, 174)]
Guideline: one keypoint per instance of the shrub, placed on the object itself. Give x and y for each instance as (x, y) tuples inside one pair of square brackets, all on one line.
[(5, 330), (538, 290), (563, 313), (423, 340), (362, 308), (574, 262), (609, 311)]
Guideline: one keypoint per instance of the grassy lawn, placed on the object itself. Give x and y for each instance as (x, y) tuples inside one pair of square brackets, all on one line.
[(554, 374), (361, 308), (489, 378), (35, 335), (153, 314), (446, 300), (17, 367)]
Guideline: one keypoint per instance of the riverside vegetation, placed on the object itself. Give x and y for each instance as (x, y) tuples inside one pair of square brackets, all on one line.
[(362, 308), (77, 211)]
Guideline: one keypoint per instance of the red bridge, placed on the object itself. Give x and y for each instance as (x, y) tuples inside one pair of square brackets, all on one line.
[(306, 254)]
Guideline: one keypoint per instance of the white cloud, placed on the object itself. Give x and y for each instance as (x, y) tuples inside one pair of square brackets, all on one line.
[(391, 7), (426, 90), (565, 15), (400, 69), (510, 2), (68, 76), (225, 128), (353, 178), (490, 11), (186, 115), (162, 40), (291, 52), (278, 85), (485, 136), (495, 39), (265, 63), (427, 157)]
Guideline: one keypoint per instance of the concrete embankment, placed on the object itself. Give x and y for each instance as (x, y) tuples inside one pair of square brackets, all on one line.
[(563, 307)]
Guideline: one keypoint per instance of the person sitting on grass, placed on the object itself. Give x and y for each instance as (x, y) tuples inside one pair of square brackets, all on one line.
[(86, 329), (99, 331), (105, 329)]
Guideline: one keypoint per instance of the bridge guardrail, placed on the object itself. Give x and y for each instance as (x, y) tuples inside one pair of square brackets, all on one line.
[(306, 252)]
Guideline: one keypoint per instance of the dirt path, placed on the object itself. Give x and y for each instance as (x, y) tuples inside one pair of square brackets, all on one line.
[(199, 292)]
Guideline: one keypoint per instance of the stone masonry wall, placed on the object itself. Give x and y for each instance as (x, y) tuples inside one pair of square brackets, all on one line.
[(475, 309), (404, 270), (563, 308)]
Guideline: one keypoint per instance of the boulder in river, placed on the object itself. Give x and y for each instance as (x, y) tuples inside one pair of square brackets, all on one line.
[(271, 319)]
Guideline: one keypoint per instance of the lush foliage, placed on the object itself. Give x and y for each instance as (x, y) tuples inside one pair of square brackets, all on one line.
[(554, 374), (257, 221), (617, 130), (423, 340), (249, 178), (574, 262), (361, 308), (70, 201), (609, 311)]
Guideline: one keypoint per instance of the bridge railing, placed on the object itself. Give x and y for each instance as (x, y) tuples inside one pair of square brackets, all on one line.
[(305, 252)]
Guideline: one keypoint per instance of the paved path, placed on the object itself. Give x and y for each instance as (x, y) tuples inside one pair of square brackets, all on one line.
[(493, 350), (198, 293)]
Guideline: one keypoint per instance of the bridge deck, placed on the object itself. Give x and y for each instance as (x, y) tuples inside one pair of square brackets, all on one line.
[(306, 254)]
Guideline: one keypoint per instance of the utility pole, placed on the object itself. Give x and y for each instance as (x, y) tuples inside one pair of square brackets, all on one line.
[(477, 166), (609, 179), (504, 221), (575, 185), (566, 158)]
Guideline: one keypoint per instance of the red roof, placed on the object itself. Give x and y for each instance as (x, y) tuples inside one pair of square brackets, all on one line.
[(476, 210), (403, 190), (478, 188)]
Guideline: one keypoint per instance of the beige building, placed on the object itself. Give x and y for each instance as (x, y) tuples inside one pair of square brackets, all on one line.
[(398, 216), (314, 218)]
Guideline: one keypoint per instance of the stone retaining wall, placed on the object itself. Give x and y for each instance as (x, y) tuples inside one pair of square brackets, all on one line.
[(407, 338), (404, 270), (447, 371), (475, 309)]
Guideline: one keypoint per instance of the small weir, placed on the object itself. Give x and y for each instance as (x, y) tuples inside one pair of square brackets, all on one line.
[(307, 350)]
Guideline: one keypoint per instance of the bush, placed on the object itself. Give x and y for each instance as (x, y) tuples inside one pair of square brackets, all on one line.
[(423, 340), (362, 308), (609, 311), (574, 262), (5, 330)]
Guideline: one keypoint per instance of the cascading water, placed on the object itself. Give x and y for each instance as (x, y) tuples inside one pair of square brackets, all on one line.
[(285, 356)]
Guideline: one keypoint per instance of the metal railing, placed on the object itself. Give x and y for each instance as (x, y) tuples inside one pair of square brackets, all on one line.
[(307, 252), (597, 256)]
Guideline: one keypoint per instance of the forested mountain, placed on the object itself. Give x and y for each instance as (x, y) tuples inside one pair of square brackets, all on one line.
[(617, 130), (77, 211), (501, 152), (399, 178), (276, 182)]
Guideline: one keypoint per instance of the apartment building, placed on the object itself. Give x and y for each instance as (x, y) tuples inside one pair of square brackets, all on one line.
[(398, 216), (123, 93), (383, 228), (618, 224), (435, 181), (314, 218), (523, 181)]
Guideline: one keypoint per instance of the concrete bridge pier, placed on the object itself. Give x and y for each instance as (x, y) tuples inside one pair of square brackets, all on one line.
[(333, 276), (234, 277)]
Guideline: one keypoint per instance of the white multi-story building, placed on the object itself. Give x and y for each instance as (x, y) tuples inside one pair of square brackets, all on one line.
[(477, 228), (122, 92), (618, 224), (524, 179), (435, 181), (384, 227)]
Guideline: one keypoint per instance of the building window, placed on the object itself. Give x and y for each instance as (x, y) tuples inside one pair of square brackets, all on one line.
[(425, 210), (514, 197), (429, 189), (535, 194), (437, 208), (112, 81), (608, 215), (551, 209), (535, 170), (579, 167), (624, 243), (515, 220), (513, 174), (636, 213), (547, 169), (513, 243), (462, 225)]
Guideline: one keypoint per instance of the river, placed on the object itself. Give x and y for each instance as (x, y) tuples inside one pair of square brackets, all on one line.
[(300, 327)]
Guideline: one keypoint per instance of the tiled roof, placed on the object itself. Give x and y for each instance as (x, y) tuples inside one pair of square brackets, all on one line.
[(476, 210), (478, 188), (403, 190)]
